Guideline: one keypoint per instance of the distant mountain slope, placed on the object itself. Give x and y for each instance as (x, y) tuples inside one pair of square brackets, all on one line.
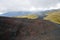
[(16, 13), (32, 16), (41, 14), (53, 16), (21, 13)]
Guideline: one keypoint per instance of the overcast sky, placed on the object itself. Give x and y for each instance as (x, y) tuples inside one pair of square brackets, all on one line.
[(28, 5)]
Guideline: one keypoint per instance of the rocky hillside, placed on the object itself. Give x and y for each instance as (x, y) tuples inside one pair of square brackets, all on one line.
[(28, 29)]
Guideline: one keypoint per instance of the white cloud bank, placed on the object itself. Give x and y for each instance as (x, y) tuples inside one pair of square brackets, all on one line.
[(28, 5)]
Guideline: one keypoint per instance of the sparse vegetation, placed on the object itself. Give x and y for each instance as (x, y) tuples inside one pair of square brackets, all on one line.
[(28, 16), (53, 17)]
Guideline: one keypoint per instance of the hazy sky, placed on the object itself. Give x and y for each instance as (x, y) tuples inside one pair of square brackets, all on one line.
[(28, 5)]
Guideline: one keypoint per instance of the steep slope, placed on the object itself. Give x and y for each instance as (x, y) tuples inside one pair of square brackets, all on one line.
[(53, 16)]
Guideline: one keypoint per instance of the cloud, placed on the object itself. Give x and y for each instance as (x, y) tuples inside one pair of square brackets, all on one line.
[(27, 5), (1, 13), (44, 3)]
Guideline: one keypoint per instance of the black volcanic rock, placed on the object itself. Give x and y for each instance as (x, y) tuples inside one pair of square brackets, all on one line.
[(28, 29)]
